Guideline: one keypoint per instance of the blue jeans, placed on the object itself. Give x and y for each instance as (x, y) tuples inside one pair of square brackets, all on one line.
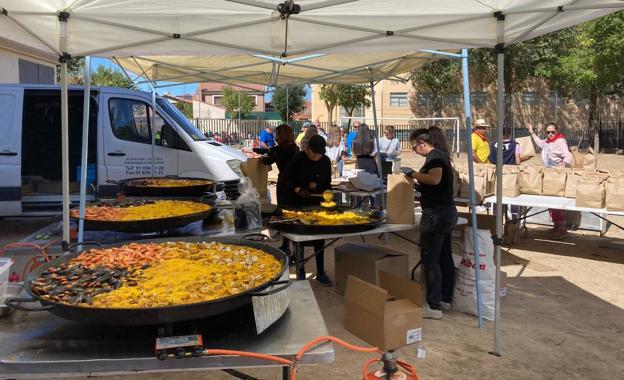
[(436, 227)]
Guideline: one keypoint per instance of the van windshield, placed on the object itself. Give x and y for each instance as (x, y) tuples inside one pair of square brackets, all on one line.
[(182, 121)]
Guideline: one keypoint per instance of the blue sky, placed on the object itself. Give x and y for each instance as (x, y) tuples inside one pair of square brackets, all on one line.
[(176, 90)]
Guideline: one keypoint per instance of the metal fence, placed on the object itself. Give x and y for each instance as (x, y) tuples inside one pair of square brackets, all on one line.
[(232, 132)]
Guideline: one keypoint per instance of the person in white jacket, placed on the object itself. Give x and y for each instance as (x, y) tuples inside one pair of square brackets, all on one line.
[(388, 144)]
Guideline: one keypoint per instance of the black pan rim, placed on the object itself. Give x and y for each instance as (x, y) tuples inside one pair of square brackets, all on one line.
[(37, 272)]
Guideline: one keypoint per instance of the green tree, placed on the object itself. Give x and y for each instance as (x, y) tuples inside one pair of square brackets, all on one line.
[(236, 103), (523, 61), (102, 76), (108, 76), (351, 97), (439, 77), (296, 98), (329, 95), (185, 108), (592, 67)]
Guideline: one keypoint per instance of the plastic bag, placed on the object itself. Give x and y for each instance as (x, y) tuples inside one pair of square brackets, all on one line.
[(247, 207)]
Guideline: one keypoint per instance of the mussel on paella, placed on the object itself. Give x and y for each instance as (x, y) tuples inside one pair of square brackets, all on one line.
[(155, 275)]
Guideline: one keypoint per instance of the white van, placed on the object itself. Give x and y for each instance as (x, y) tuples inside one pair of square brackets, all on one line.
[(119, 145)]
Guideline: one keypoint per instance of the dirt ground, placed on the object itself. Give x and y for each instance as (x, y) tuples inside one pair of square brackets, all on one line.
[(563, 316)]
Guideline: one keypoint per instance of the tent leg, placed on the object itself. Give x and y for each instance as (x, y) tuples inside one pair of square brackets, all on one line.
[(153, 131), (382, 187), (500, 116), (64, 133), (473, 196), (85, 148), (65, 151)]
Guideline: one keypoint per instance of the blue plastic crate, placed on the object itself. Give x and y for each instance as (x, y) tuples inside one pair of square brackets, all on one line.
[(90, 173)]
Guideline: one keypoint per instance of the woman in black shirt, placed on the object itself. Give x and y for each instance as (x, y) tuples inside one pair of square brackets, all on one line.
[(309, 172), (439, 217), (281, 155)]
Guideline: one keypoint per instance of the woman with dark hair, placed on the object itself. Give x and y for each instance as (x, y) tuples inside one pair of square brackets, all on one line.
[(281, 155), (439, 217), (309, 174), (555, 153), (365, 149)]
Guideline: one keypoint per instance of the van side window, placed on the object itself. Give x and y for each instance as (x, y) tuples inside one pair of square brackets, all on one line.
[(130, 120)]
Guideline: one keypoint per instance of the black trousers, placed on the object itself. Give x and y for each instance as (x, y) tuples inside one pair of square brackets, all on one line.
[(319, 246), (436, 226)]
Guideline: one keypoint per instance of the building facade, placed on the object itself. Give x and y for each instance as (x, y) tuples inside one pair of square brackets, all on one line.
[(23, 64), (398, 102), (212, 93)]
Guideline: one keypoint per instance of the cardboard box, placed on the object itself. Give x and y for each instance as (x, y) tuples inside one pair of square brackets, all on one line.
[(387, 316), (364, 261)]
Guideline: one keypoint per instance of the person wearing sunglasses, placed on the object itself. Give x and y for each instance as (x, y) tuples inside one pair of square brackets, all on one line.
[(555, 153), (439, 217)]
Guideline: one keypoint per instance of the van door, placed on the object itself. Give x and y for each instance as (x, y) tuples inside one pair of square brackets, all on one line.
[(126, 131), (11, 100)]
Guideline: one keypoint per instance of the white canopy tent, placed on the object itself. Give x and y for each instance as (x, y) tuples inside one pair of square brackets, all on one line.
[(141, 28), (276, 71)]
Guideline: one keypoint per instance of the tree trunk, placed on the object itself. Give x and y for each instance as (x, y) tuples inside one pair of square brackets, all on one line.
[(593, 122), (330, 113)]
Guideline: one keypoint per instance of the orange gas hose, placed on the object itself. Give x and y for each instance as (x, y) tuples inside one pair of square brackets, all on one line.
[(307, 347), (322, 339), (255, 355)]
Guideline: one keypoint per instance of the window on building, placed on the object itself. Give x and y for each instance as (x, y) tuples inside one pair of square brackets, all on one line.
[(423, 99), (453, 100), (357, 112), (398, 99), (255, 99), (478, 98), (530, 98), (217, 100), (31, 72), (554, 99)]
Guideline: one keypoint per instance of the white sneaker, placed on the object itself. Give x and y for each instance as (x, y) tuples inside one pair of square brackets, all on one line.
[(430, 313), (446, 306)]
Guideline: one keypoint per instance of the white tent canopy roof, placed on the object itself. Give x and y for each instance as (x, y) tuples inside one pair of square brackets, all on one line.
[(237, 27), (334, 68)]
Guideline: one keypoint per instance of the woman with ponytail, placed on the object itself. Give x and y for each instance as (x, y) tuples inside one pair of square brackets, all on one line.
[(439, 217)]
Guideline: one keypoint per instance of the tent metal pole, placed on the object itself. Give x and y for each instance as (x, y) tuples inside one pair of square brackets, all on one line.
[(287, 108), (473, 195), (153, 130), (64, 132), (382, 187), (123, 70), (84, 161), (500, 119), (30, 31)]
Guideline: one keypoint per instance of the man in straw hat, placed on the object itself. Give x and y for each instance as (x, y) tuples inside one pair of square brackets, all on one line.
[(480, 142)]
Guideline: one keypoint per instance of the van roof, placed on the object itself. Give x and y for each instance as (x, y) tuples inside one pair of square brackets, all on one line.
[(117, 90)]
